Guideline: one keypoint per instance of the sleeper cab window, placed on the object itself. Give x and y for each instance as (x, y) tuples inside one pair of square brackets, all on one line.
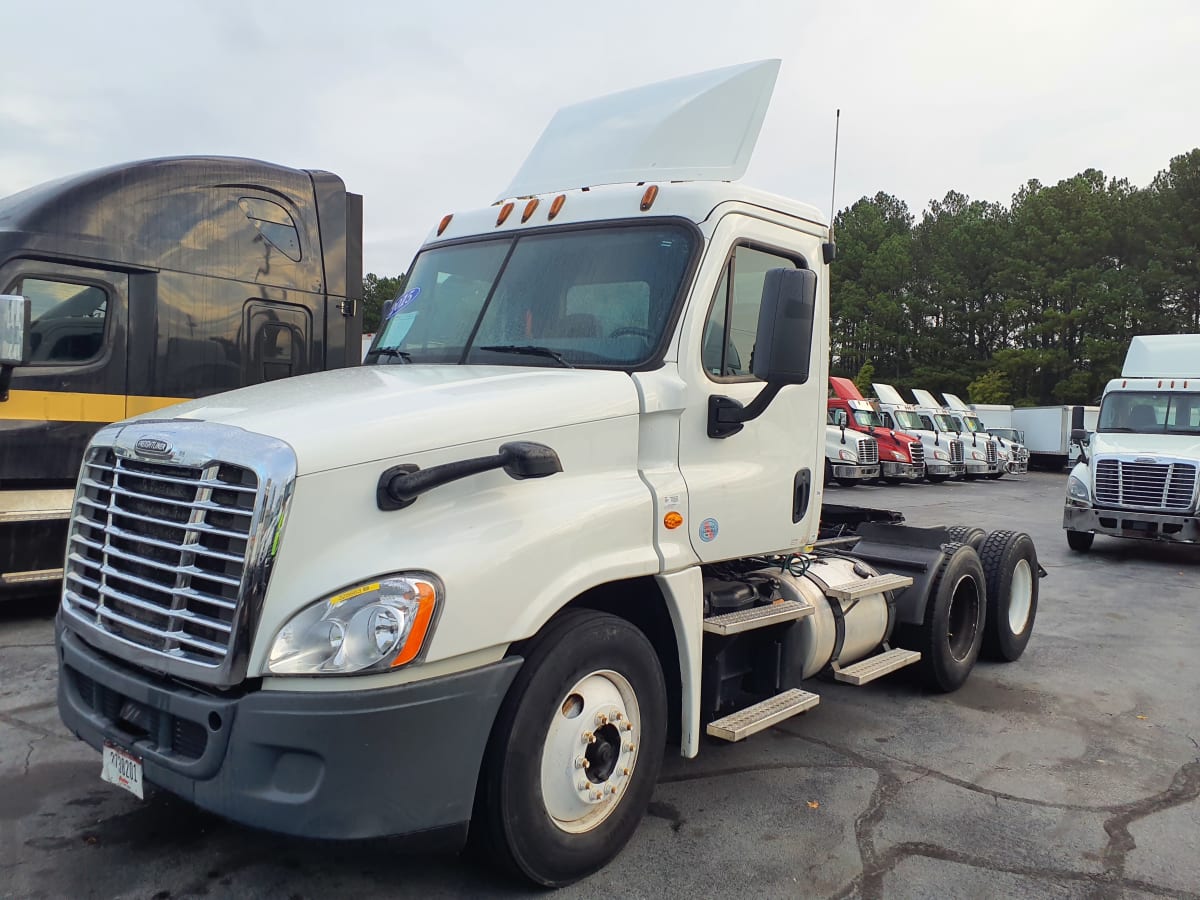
[(274, 223), (67, 320), (732, 324)]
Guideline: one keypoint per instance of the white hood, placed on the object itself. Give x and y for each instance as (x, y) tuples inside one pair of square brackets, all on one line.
[(1167, 446), (357, 415)]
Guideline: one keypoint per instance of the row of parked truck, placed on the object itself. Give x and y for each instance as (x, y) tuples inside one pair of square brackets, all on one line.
[(895, 441)]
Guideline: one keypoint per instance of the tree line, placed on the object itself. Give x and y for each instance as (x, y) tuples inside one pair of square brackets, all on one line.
[(1030, 303)]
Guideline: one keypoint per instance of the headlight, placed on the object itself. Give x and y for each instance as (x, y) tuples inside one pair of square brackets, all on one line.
[(975, 454), (897, 455), (368, 628), (1077, 492), (847, 456), (941, 454)]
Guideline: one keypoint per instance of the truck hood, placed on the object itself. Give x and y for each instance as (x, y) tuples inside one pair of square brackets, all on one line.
[(350, 416), (1185, 446)]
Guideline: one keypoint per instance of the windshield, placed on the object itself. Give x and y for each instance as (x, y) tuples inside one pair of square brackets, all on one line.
[(596, 297), (945, 422), (1150, 412), (908, 420), (868, 418), (974, 425), (1009, 434)]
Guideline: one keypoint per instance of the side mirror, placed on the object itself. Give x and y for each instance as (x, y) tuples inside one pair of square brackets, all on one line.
[(1080, 436), (14, 338), (785, 326)]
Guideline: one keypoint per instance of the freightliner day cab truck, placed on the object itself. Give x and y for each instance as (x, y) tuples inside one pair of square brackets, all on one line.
[(943, 448), (568, 512), (980, 454), (1137, 474), (901, 456), (851, 457), (1001, 458), (149, 283)]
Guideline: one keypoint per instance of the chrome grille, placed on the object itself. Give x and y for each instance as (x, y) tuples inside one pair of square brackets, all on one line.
[(1142, 485), (917, 452), (991, 453), (956, 451), (158, 551), (868, 451)]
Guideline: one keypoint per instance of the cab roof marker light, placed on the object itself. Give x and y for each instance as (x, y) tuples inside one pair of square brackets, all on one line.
[(649, 197), (557, 205), (529, 210), (445, 223), (505, 212)]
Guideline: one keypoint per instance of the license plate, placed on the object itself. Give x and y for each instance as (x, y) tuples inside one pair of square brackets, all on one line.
[(122, 769)]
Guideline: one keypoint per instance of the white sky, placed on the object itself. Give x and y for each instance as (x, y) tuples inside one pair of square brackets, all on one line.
[(426, 108)]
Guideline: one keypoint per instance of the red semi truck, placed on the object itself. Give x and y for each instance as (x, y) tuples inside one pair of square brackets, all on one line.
[(901, 456)]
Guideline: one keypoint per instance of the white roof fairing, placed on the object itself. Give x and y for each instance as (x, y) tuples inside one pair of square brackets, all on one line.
[(700, 127)]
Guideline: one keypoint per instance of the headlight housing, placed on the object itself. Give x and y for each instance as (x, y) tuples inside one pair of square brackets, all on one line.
[(847, 456), (372, 627), (898, 456), (941, 454), (1077, 492)]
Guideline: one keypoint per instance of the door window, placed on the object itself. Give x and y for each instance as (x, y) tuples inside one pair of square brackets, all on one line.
[(732, 325), (67, 320)]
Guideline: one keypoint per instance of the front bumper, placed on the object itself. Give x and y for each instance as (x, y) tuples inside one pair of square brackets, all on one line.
[(910, 471), (861, 472), (1017, 466), (1146, 526), (945, 468), (401, 760)]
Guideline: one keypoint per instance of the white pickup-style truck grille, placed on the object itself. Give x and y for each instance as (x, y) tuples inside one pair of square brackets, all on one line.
[(956, 451), (1144, 485), (868, 451), (991, 453), (917, 452)]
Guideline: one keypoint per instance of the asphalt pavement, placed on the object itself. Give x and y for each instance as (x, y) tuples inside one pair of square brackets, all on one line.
[(1074, 772)]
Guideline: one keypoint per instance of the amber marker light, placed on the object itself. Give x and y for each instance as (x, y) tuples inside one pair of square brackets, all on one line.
[(672, 520), (445, 223), (557, 205), (426, 600), (649, 197), (505, 212), (529, 208)]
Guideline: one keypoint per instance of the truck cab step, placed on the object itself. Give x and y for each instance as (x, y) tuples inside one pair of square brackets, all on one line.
[(771, 711), (757, 617), (873, 667), (876, 584)]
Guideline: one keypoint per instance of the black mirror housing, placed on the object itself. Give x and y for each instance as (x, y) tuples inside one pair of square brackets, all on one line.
[(1080, 436), (785, 326)]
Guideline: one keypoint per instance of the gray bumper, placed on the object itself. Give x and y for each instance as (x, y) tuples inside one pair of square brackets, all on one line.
[(1145, 526), (1017, 467), (345, 764), (864, 472), (944, 468), (902, 470)]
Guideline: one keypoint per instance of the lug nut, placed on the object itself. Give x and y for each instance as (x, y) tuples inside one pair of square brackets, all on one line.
[(601, 719), (624, 771), (629, 726), (616, 717), (581, 762), (599, 795), (589, 738), (630, 747)]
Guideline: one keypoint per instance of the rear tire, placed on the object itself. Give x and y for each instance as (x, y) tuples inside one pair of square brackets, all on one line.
[(955, 613), (1080, 541), (586, 675), (968, 534), (1011, 568)]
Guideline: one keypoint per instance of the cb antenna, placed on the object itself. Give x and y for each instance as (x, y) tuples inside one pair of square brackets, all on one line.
[(829, 249)]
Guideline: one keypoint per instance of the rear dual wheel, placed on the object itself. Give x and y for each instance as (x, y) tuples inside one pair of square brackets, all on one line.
[(1011, 568), (576, 750)]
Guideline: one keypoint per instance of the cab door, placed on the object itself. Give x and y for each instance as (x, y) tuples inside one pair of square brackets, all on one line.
[(758, 490)]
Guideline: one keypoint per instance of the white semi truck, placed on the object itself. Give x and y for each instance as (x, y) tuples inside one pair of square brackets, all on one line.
[(1048, 432), (1137, 473), (1007, 456), (944, 451), (851, 457), (570, 512), (980, 455)]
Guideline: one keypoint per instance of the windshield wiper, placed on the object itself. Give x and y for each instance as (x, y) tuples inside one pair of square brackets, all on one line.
[(390, 352), (529, 350), (1123, 428)]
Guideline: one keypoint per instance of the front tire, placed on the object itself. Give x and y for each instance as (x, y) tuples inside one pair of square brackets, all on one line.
[(848, 482), (937, 479), (955, 613), (576, 749), (1080, 541), (1011, 568)]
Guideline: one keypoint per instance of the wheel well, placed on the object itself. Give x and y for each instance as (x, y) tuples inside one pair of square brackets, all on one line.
[(641, 602)]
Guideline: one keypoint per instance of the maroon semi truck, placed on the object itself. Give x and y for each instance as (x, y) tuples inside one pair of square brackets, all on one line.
[(901, 456)]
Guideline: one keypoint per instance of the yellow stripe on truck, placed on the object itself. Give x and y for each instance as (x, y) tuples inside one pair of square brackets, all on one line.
[(65, 406)]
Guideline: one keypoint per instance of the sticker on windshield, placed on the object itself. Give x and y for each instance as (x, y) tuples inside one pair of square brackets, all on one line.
[(397, 329), (708, 529), (404, 300)]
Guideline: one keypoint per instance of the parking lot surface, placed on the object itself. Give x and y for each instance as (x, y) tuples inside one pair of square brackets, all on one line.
[(1074, 772)]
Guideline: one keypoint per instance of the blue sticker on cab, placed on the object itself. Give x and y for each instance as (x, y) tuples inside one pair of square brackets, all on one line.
[(708, 529), (404, 300)]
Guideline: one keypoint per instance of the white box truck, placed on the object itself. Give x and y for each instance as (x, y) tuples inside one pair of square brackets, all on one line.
[(1048, 429), (1137, 475), (570, 512)]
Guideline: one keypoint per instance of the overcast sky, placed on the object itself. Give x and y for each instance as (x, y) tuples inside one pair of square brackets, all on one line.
[(429, 107)]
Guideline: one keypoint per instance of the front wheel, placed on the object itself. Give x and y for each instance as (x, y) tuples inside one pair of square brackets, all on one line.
[(575, 752), (1080, 541), (955, 612), (937, 479), (1011, 567), (847, 482)]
